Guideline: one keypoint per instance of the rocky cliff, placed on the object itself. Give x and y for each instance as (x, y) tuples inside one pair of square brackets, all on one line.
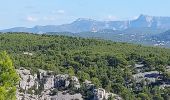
[(45, 85)]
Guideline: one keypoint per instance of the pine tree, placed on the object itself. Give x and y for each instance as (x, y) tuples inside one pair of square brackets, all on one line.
[(8, 78)]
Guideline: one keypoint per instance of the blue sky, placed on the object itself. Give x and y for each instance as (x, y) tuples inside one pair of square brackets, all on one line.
[(28, 13)]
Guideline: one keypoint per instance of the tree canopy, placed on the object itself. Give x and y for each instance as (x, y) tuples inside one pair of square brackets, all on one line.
[(8, 78)]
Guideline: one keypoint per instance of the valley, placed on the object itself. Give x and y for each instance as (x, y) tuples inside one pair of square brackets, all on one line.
[(85, 50)]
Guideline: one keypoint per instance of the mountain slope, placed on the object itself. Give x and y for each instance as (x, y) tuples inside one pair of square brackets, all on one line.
[(84, 25), (165, 36)]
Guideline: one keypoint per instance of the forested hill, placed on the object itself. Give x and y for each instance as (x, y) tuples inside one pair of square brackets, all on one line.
[(109, 65), (60, 47)]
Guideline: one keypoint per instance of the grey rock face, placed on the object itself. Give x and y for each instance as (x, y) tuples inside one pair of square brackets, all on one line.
[(101, 94), (40, 86), (27, 80), (45, 86)]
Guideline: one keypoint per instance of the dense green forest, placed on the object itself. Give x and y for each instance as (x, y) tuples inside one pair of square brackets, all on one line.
[(107, 64)]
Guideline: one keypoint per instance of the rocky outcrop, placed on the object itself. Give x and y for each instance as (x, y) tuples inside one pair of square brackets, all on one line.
[(42, 85), (62, 80), (101, 94), (75, 82), (88, 84), (28, 53), (27, 80), (49, 82), (67, 96)]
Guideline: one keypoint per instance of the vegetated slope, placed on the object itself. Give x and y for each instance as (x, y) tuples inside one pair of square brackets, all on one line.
[(164, 36), (108, 64), (132, 35), (162, 39)]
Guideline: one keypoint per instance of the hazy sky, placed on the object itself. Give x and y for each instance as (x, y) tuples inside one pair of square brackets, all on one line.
[(29, 13)]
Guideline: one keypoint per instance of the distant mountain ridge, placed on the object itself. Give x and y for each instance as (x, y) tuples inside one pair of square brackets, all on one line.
[(90, 25)]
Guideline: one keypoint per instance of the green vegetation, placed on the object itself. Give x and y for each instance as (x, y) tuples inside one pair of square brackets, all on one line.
[(8, 78), (107, 64)]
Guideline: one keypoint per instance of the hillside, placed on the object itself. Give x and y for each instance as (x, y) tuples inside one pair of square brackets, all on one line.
[(161, 39), (109, 65), (131, 35), (164, 36)]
